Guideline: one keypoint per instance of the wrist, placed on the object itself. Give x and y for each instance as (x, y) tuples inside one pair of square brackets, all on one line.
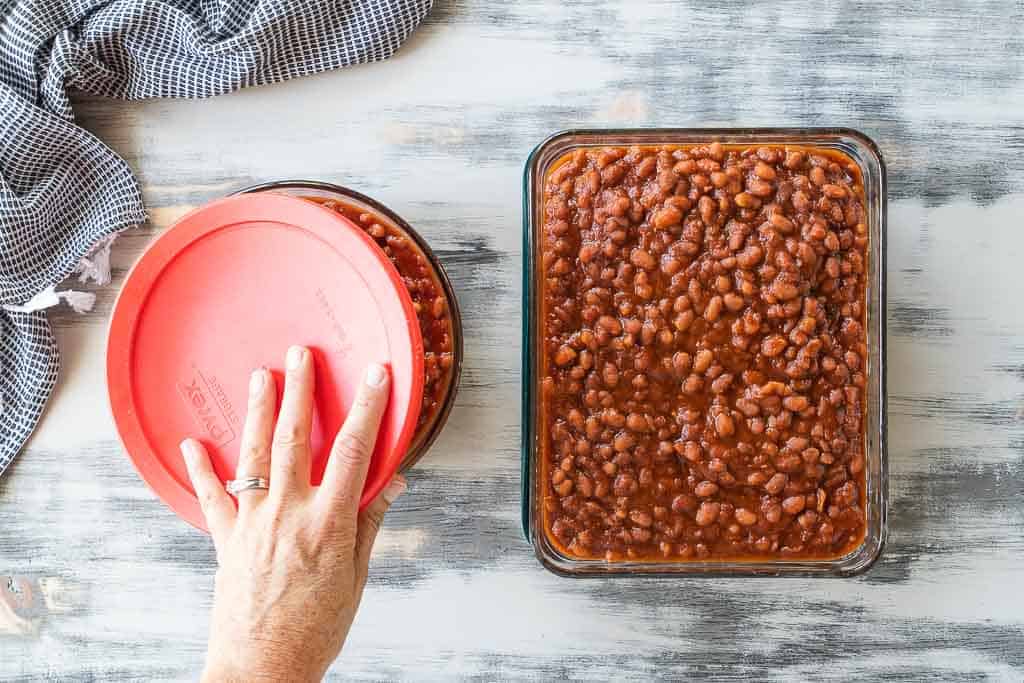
[(218, 672), (258, 662)]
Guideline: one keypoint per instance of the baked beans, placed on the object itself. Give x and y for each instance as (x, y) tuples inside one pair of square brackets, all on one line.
[(428, 299), (704, 349)]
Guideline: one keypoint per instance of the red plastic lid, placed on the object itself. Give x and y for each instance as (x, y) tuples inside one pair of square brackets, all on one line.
[(228, 289)]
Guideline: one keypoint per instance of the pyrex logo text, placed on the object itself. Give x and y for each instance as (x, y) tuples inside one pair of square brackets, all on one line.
[(205, 410)]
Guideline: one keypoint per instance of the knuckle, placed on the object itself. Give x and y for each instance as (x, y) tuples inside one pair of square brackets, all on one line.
[(290, 437), (339, 530), (261, 398), (352, 447), (296, 376), (374, 520), (370, 397), (253, 454)]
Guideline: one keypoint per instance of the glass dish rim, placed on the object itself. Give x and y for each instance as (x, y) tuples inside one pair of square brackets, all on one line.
[(416, 452), (869, 157)]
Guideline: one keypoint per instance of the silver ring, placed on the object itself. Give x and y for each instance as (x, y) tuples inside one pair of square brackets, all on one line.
[(236, 486)]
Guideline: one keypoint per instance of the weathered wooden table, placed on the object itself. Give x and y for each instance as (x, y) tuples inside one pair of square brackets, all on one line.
[(440, 133)]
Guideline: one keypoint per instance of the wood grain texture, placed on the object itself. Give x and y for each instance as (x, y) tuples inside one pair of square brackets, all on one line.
[(440, 133)]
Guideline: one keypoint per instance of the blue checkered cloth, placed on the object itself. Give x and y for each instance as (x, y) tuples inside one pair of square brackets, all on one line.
[(63, 192)]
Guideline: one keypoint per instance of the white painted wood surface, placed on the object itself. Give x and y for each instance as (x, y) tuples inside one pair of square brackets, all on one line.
[(440, 133)]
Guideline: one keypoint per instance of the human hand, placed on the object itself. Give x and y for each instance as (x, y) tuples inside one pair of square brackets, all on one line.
[(293, 559)]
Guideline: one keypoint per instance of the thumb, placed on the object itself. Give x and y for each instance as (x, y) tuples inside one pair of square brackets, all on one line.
[(370, 521)]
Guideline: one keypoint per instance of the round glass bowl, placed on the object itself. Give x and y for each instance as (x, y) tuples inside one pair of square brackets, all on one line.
[(432, 293)]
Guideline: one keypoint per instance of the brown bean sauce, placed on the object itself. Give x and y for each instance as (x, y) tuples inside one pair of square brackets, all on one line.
[(704, 349), (428, 298)]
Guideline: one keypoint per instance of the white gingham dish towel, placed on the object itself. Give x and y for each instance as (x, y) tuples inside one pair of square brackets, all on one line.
[(64, 194)]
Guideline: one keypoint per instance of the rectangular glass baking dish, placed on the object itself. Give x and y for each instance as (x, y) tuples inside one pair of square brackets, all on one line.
[(866, 154)]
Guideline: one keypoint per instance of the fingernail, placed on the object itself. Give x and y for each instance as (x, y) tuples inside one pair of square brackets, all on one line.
[(257, 380), (190, 451), (395, 489), (296, 354), (376, 375)]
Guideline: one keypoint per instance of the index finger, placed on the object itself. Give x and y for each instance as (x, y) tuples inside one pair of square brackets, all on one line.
[(350, 456)]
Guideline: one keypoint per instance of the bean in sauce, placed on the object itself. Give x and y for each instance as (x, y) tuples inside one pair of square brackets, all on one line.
[(428, 299)]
